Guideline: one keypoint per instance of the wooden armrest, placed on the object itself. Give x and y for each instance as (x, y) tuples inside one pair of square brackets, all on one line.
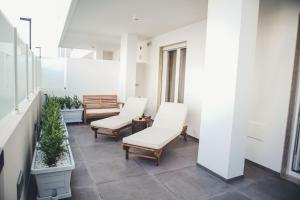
[(120, 103)]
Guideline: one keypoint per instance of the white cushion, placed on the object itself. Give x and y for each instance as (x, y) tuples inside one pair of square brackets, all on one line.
[(153, 137), (171, 116), (100, 111), (114, 122), (134, 107), (167, 125)]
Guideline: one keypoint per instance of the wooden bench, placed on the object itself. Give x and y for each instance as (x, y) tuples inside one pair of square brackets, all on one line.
[(96, 106)]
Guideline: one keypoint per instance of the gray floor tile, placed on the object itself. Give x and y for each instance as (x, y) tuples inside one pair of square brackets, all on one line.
[(88, 193), (252, 174), (275, 189), (134, 188), (171, 160), (115, 170), (77, 155), (192, 183), (180, 142), (177, 176), (87, 139), (230, 196), (79, 129), (80, 176), (103, 152)]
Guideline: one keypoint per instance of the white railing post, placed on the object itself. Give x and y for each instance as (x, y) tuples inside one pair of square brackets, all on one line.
[(15, 36)]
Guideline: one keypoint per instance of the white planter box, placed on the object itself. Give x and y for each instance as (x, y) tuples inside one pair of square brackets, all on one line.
[(72, 115), (53, 182)]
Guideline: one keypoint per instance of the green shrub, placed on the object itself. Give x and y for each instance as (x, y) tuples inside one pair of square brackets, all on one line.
[(68, 102), (76, 102), (52, 139), (61, 101)]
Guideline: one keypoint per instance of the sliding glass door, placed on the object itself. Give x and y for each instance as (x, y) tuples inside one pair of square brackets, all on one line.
[(173, 73)]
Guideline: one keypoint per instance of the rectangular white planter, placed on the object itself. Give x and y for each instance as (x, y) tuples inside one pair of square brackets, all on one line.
[(53, 182), (72, 115)]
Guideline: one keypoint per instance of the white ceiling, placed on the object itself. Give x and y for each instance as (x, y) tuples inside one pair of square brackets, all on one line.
[(100, 23)]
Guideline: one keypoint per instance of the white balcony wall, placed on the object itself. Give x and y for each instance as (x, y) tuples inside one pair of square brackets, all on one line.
[(80, 76), (17, 140), (53, 73)]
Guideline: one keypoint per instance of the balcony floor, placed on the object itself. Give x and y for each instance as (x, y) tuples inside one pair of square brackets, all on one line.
[(102, 173)]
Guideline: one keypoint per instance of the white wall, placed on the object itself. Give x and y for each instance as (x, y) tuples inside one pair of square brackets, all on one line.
[(194, 35), (141, 83), (276, 41), (116, 55), (18, 147), (86, 76)]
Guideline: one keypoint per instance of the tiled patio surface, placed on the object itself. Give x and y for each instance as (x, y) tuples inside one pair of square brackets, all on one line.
[(102, 173)]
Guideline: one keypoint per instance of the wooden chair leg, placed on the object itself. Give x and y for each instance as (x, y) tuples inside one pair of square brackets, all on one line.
[(116, 135), (95, 132), (157, 155), (185, 136), (184, 133), (126, 148), (84, 119)]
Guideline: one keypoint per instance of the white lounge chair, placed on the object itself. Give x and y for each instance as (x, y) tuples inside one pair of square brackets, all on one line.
[(111, 126), (168, 124)]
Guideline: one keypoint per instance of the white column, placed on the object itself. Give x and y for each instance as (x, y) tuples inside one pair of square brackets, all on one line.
[(128, 53), (230, 48)]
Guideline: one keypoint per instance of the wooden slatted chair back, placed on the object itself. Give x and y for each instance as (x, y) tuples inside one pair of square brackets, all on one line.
[(100, 101)]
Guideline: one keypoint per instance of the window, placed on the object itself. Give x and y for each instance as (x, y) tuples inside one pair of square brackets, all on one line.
[(173, 73), (6, 67)]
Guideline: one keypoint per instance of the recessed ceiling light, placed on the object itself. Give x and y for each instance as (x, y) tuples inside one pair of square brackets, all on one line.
[(136, 18)]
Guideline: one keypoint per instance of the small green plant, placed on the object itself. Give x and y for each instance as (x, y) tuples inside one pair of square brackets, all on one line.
[(52, 139), (76, 102), (68, 102), (61, 101)]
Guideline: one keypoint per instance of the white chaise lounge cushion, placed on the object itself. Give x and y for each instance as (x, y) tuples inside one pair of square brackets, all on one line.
[(153, 137), (167, 125), (114, 122), (105, 110), (171, 116), (134, 107)]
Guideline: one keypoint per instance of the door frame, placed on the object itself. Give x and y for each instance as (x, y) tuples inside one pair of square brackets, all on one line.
[(291, 113), (160, 84)]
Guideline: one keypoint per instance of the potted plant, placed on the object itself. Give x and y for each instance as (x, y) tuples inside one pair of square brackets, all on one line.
[(73, 109), (52, 160), (61, 101)]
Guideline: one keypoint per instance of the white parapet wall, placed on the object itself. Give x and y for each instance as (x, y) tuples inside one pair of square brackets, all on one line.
[(80, 76), (17, 140)]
